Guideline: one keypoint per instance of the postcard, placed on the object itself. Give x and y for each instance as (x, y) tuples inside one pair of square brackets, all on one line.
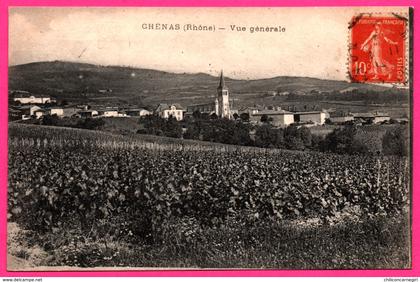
[(162, 138)]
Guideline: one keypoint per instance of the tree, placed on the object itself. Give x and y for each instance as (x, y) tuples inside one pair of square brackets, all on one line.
[(244, 117), (297, 138), (305, 135), (240, 134), (264, 118), (193, 131), (50, 120), (268, 137), (396, 142), (153, 124), (343, 140), (197, 114), (90, 123), (317, 142), (172, 128)]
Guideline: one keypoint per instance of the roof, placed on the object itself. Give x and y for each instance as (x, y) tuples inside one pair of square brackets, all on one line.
[(27, 107), (363, 115), (308, 113), (135, 110), (272, 112), (222, 84), (381, 115), (163, 107), (88, 111), (28, 95), (370, 115), (251, 108), (340, 114), (14, 110), (203, 108), (114, 109)]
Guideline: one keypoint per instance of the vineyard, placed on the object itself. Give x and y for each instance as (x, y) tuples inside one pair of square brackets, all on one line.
[(78, 187)]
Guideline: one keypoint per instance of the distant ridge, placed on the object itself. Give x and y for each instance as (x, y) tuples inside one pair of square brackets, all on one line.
[(70, 80)]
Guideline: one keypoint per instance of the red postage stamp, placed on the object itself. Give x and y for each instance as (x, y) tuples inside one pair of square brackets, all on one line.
[(378, 49)]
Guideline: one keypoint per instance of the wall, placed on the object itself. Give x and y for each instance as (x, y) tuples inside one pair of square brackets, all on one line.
[(317, 118)]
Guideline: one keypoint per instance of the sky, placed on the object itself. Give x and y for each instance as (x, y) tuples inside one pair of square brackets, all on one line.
[(314, 42)]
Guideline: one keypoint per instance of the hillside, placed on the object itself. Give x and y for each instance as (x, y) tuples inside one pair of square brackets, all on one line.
[(82, 82)]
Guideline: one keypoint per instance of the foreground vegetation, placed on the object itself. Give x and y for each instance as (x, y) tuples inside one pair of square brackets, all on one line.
[(97, 199), (391, 139)]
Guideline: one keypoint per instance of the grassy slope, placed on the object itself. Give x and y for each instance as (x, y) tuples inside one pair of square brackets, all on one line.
[(61, 79), (375, 244)]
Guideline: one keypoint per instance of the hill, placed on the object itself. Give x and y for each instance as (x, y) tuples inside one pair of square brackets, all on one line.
[(81, 82)]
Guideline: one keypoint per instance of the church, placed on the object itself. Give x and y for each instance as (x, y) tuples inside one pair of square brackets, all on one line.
[(221, 106)]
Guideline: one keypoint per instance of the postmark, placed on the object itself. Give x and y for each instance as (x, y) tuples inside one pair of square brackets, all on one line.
[(378, 49)]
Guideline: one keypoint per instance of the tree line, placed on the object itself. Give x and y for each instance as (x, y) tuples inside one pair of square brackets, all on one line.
[(342, 140)]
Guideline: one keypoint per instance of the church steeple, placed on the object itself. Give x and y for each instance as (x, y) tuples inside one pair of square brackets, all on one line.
[(222, 81), (222, 108)]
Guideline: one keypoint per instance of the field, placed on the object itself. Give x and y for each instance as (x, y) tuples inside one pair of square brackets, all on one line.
[(95, 199)]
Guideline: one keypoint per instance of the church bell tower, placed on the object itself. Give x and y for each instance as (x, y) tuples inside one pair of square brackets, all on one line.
[(222, 101)]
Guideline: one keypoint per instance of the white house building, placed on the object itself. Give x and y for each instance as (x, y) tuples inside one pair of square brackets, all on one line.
[(88, 113), (39, 113), (108, 112), (137, 112), (279, 118), (315, 117), (27, 111), (337, 119), (58, 111), (174, 110), (31, 99)]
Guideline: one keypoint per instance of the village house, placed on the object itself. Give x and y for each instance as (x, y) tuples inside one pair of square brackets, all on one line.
[(88, 113), (381, 117), (207, 109), (250, 110), (83, 107), (102, 91), (137, 112), (27, 111), (314, 117), (340, 118), (174, 110), (402, 120), (58, 111), (40, 113), (108, 112), (372, 118), (27, 98), (278, 118), (70, 111)]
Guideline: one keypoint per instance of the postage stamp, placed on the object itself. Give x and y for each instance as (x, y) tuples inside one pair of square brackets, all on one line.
[(378, 49)]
